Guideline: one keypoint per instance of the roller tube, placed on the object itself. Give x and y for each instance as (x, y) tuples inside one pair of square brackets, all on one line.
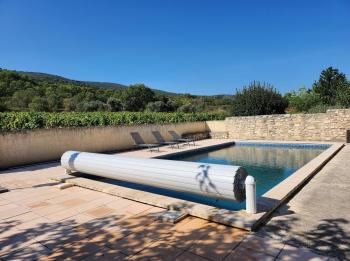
[(210, 180)]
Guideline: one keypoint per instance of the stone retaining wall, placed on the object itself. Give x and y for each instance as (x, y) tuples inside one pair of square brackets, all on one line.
[(329, 126), (24, 147)]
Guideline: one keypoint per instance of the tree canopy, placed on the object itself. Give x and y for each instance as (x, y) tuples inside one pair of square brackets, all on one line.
[(258, 99), (48, 93)]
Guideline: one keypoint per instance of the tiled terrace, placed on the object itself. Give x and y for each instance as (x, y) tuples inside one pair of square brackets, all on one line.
[(39, 221)]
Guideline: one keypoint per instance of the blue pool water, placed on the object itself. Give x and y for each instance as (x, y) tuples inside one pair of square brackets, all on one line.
[(269, 164)]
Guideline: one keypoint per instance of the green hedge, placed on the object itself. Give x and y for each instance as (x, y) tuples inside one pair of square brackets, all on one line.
[(13, 121)]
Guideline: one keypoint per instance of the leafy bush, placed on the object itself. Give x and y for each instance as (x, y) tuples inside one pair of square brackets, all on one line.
[(12, 121), (258, 99), (319, 108), (302, 100)]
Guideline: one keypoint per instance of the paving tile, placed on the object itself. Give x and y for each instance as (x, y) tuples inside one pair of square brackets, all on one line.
[(78, 209), (217, 241), (137, 208), (158, 251), (263, 244), (12, 212), (32, 224), (186, 232), (4, 201), (8, 228), (40, 195), (8, 206), (106, 254), (15, 242), (190, 224), (99, 212), (62, 215), (140, 236), (28, 216), (34, 251), (39, 204), (246, 254), (80, 250), (54, 238), (187, 256), (151, 211), (73, 202), (291, 253), (133, 243), (119, 203), (45, 211)]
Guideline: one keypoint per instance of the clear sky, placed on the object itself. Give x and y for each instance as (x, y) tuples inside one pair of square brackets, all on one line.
[(199, 47)]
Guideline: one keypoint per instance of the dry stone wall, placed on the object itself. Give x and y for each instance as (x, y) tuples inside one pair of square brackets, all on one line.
[(329, 126)]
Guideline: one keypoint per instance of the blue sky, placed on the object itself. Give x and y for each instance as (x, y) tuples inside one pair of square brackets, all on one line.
[(199, 47)]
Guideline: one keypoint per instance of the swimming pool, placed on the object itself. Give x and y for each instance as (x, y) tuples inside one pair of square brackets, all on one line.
[(268, 163)]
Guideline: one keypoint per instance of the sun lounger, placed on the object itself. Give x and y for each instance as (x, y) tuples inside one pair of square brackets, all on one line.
[(176, 137), (160, 140), (139, 142)]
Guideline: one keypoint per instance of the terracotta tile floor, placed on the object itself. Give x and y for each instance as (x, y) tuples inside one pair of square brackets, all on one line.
[(39, 221)]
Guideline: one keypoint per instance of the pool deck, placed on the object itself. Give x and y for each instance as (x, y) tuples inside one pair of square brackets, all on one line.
[(39, 221), (319, 215)]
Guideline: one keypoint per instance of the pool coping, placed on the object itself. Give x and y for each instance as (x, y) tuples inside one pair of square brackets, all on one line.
[(267, 203)]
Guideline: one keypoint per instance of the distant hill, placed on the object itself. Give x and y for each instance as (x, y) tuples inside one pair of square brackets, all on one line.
[(51, 78), (34, 91)]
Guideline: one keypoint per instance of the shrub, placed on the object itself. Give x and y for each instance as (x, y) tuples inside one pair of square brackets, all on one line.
[(302, 100), (12, 121), (258, 99), (319, 108)]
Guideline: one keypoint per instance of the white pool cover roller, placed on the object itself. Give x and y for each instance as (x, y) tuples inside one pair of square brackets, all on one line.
[(210, 180)]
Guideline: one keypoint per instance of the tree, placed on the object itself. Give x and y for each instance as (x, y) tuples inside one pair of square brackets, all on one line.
[(114, 104), (187, 108), (38, 104), (258, 99), (3, 106), (343, 96), (68, 104), (92, 106), (330, 82), (54, 102), (21, 99), (157, 106), (136, 97)]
